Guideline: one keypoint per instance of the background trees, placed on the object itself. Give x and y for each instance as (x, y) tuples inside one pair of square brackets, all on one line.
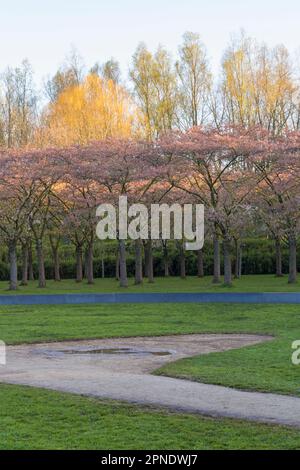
[(255, 85), (170, 131), (248, 180), (258, 86)]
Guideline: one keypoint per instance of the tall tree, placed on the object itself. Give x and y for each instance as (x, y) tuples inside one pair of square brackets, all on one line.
[(70, 74), (93, 110), (109, 70), (194, 82), (155, 87), (257, 86), (18, 111)]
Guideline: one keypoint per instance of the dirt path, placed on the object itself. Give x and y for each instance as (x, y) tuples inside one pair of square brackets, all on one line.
[(121, 369)]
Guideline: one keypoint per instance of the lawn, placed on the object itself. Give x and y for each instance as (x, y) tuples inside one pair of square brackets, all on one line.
[(76, 422), (249, 283), (42, 419), (265, 367)]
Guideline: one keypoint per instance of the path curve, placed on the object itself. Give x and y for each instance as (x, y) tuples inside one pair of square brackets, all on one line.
[(128, 377)]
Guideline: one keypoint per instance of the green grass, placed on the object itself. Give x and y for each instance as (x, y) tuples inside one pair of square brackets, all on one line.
[(250, 283), (266, 367), (41, 419)]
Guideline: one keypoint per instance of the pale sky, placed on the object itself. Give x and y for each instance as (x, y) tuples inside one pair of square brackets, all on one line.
[(44, 31)]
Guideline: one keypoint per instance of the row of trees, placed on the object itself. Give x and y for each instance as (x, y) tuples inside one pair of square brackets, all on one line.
[(247, 179), (257, 85)]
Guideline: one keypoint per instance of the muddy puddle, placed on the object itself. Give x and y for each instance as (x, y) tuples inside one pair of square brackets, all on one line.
[(103, 351)]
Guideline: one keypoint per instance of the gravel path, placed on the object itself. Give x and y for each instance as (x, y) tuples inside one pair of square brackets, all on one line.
[(121, 369)]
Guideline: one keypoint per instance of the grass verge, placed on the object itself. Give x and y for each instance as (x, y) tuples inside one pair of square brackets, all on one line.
[(41, 419), (249, 283)]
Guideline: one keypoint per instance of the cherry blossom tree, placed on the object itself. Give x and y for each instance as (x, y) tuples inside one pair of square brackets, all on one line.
[(279, 170), (201, 163)]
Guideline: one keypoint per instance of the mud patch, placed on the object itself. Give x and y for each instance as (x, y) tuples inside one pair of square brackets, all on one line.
[(103, 351)]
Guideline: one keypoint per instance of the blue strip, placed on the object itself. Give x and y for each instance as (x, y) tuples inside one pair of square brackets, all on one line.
[(118, 298)]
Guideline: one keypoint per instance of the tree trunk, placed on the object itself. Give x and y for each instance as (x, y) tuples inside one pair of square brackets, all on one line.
[(146, 251), (118, 265), (79, 274), (292, 259), (149, 261), (237, 260), (90, 263), (85, 263), (217, 270), (166, 258), (24, 281), (30, 263), (102, 268), (200, 268), (123, 267), (138, 263), (56, 265), (240, 261), (54, 243), (13, 271), (278, 258), (182, 261), (41, 263), (227, 263)]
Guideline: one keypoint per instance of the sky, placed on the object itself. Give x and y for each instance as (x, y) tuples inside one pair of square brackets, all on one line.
[(44, 31)]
